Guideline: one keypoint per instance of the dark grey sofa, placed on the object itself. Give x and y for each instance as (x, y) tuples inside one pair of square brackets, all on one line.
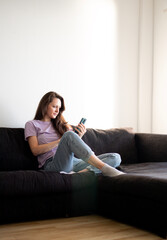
[(137, 198)]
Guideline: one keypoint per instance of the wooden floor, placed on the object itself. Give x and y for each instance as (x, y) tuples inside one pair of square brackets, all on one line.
[(78, 228)]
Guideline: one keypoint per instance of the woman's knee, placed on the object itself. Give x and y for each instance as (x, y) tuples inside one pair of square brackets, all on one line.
[(70, 137), (69, 133), (115, 159)]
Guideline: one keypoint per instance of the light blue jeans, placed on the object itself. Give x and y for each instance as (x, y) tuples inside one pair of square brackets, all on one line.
[(71, 144)]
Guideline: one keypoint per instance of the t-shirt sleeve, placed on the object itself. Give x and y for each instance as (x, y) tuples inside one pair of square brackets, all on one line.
[(29, 130)]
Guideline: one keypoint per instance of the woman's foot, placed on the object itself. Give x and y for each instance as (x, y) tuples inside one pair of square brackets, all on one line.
[(106, 169), (109, 171)]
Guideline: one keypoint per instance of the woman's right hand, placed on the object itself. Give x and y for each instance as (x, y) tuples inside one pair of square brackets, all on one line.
[(81, 129)]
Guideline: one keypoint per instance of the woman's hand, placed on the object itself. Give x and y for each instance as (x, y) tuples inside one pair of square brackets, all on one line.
[(81, 129)]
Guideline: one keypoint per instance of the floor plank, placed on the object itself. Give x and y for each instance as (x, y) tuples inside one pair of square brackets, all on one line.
[(77, 228)]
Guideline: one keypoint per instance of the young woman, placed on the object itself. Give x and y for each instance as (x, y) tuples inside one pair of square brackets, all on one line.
[(55, 143)]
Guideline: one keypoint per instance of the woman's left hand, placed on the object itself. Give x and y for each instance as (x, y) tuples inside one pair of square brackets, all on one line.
[(81, 129)]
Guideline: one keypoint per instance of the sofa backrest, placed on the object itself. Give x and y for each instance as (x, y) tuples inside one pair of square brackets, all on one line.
[(15, 153), (121, 140), (151, 147)]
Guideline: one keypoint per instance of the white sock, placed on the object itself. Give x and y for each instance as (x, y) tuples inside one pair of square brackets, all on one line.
[(109, 171), (72, 172)]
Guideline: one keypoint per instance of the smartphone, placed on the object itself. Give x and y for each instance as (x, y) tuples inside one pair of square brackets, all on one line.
[(83, 120)]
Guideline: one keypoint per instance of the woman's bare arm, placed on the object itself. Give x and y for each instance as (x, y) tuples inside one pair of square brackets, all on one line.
[(43, 148)]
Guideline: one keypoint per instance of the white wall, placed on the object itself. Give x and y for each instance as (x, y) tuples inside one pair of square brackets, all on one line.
[(126, 81), (145, 66), (89, 51), (160, 68)]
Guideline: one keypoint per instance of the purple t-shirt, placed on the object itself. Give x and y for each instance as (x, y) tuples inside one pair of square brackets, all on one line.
[(45, 133)]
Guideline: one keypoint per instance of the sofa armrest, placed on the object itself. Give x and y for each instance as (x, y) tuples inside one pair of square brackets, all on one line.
[(151, 147)]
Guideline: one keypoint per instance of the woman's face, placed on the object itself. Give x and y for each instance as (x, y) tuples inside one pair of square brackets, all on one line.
[(53, 109)]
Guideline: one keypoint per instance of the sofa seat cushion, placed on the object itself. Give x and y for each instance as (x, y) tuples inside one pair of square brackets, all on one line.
[(150, 169), (28, 183), (142, 181), (138, 197)]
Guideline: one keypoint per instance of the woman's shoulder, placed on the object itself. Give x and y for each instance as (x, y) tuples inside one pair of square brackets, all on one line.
[(35, 123), (31, 122), (38, 124)]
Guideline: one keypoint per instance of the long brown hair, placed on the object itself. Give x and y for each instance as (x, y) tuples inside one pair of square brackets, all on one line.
[(59, 122)]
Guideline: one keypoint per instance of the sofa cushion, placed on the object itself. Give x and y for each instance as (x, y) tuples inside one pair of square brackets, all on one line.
[(156, 170), (151, 147), (15, 153), (31, 195), (143, 181), (33, 183), (120, 141), (139, 197)]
